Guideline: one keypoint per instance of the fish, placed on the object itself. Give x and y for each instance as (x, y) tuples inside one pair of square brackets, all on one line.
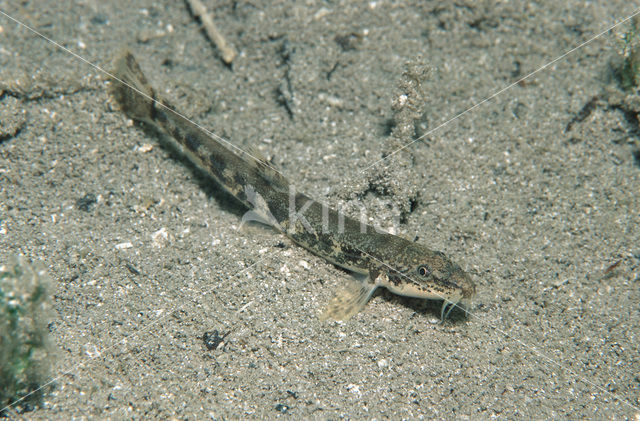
[(376, 258)]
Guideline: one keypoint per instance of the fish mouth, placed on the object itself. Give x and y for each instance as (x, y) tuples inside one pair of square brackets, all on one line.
[(468, 289), (464, 282)]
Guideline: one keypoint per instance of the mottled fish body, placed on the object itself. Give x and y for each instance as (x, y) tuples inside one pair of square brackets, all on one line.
[(404, 267)]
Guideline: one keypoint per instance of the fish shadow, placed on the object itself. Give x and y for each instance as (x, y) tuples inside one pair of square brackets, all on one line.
[(423, 306)]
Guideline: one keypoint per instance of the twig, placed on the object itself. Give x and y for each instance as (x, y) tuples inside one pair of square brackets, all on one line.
[(199, 11)]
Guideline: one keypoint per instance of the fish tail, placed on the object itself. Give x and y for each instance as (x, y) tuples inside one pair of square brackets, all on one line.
[(131, 90)]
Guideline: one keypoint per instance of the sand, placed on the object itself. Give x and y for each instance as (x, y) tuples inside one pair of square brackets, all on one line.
[(148, 258)]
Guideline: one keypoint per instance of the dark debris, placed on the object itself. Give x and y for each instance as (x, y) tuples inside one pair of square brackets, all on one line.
[(87, 202), (212, 340)]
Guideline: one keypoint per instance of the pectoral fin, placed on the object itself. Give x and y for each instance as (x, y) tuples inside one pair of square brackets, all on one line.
[(348, 301)]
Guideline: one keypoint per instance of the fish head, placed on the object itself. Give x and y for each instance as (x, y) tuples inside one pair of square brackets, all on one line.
[(423, 273)]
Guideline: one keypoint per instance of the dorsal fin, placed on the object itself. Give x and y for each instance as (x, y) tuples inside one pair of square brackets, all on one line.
[(269, 171)]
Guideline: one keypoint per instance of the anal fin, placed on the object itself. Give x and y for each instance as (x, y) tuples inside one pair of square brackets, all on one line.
[(348, 301), (260, 212)]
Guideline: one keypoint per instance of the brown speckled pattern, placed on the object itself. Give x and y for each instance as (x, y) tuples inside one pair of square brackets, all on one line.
[(404, 267)]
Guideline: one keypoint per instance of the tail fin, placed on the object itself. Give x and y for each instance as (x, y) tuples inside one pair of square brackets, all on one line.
[(131, 89)]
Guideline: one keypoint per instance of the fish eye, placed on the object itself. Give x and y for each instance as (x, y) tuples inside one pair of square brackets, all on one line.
[(423, 270)]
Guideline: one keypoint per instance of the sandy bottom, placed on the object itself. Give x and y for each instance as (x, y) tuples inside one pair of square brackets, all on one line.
[(531, 192)]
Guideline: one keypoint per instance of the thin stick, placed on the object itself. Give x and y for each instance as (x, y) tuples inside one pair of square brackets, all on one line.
[(198, 10)]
